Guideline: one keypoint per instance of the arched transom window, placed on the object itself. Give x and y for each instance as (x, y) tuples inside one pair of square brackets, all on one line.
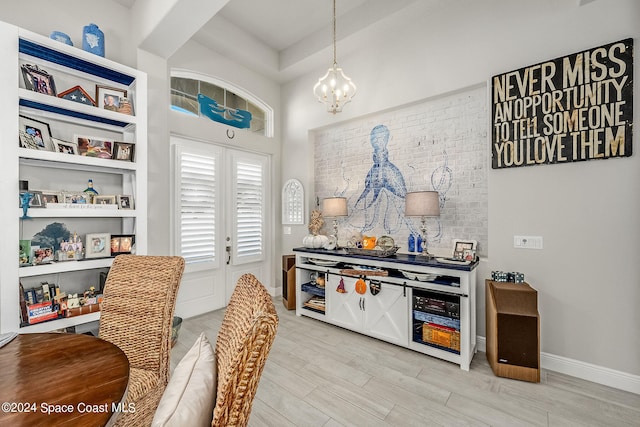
[(230, 102)]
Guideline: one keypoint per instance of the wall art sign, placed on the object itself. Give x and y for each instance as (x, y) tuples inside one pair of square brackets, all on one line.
[(574, 108)]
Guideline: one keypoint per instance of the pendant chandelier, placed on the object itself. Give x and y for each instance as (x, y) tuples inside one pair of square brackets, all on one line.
[(334, 89)]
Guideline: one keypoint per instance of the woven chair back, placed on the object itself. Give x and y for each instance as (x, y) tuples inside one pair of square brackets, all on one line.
[(137, 310), (242, 346)]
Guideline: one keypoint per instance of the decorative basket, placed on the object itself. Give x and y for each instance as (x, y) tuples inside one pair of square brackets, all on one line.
[(374, 252)]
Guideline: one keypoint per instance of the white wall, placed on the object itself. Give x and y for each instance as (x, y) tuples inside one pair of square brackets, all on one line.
[(70, 16), (587, 275)]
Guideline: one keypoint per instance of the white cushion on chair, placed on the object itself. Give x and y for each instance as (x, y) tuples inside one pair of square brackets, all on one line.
[(189, 397)]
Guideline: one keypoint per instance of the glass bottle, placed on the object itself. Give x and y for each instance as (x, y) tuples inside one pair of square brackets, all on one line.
[(412, 243)]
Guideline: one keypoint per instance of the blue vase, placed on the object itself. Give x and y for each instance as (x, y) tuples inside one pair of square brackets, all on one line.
[(93, 40), (412, 243), (61, 37)]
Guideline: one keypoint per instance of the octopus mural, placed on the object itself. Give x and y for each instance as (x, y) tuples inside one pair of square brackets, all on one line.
[(383, 197), (384, 186)]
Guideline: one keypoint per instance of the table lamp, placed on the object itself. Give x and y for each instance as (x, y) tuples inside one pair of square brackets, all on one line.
[(333, 207), (423, 204)]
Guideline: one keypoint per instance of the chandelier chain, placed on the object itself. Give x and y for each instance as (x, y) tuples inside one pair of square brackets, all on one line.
[(334, 33)]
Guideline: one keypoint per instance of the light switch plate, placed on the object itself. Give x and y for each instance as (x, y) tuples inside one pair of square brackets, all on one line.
[(527, 242)]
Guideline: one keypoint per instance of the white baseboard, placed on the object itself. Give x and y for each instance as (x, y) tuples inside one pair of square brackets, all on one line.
[(583, 370)]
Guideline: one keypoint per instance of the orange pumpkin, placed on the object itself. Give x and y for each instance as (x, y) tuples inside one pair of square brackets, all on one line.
[(361, 286)]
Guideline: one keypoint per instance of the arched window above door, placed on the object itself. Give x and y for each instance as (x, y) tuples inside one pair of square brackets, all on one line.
[(230, 100)]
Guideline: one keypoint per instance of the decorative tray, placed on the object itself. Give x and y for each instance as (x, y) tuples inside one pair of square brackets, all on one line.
[(374, 252)]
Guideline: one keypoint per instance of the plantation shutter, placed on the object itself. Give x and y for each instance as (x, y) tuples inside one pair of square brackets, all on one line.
[(250, 208), (197, 193)]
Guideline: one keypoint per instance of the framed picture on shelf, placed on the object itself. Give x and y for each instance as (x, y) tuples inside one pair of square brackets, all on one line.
[(60, 146), (41, 255), (125, 202), (104, 200), (108, 98), (76, 198), (40, 133), (123, 151), (460, 246), (122, 243), (50, 197), (97, 245), (36, 199), (94, 147), (38, 80)]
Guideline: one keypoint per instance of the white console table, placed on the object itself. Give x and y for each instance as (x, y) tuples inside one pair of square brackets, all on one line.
[(435, 315)]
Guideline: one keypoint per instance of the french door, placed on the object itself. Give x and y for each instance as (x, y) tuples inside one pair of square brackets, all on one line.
[(220, 218)]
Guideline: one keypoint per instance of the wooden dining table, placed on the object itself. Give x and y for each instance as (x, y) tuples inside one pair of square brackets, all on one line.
[(61, 379)]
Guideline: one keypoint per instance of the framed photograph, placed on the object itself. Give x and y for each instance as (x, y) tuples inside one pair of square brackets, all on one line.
[(460, 246), (104, 200), (108, 98), (77, 198), (60, 146), (41, 255), (125, 202), (123, 151), (40, 133), (36, 199), (97, 245), (122, 243), (94, 147), (50, 197), (38, 80)]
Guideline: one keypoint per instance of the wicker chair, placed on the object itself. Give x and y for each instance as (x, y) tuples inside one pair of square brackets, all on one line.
[(242, 346), (136, 315)]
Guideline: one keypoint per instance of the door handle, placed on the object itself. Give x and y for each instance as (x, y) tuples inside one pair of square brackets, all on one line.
[(228, 249)]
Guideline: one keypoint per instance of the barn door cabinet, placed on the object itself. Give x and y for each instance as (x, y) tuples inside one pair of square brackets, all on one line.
[(60, 172), (433, 315)]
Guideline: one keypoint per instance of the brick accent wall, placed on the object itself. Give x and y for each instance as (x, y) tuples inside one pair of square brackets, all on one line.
[(438, 144)]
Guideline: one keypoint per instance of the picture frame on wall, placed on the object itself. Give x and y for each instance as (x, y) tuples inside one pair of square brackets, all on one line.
[(108, 98), (38, 80), (123, 151), (97, 245), (39, 133)]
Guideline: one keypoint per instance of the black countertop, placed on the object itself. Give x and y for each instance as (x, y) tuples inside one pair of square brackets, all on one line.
[(410, 259)]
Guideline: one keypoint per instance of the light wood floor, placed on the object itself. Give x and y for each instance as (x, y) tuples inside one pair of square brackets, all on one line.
[(322, 375)]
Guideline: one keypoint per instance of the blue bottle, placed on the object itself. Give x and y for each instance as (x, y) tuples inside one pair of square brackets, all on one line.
[(412, 243), (419, 243), (93, 40)]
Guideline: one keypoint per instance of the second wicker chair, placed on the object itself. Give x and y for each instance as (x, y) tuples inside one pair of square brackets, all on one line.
[(242, 346)]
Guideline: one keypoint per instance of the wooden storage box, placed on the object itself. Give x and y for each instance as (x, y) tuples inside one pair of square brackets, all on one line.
[(513, 330)]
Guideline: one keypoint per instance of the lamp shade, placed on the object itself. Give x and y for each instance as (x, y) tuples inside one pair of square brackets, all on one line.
[(422, 203), (334, 206)]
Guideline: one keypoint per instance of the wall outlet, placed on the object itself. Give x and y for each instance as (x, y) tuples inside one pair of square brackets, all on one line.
[(527, 242), (286, 229)]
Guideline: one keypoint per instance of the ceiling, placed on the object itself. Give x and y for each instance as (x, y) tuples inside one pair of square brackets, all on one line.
[(284, 39)]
